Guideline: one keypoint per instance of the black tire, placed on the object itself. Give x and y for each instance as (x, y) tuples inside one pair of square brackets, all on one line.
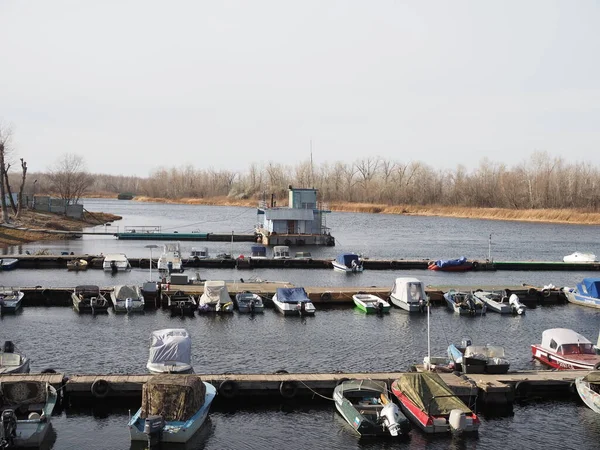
[(288, 389), (341, 380), (597, 366), (532, 291), (475, 265), (228, 389), (546, 293), (280, 371), (100, 388), (326, 296), (49, 370), (286, 263)]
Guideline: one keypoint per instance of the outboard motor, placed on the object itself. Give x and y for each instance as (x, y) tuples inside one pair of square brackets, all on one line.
[(113, 267), (128, 303), (170, 266), (457, 420), (251, 306), (390, 415), (516, 305), (8, 430), (471, 304), (421, 305), (153, 427), (9, 347), (302, 308), (379, 308), (465, 343)]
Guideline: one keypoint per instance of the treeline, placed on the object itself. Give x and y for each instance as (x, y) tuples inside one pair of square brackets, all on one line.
[(541, 181)]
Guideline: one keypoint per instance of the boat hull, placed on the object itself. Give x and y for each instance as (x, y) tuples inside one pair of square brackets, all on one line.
[(410, 307), (343, 268), (561, 362), (590, 397), (291, 309), (574, 297), (369, 304)]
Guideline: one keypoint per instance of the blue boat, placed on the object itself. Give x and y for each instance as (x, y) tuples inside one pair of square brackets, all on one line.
[(587, 293), (10, 299), (8, 263), (293, 302), (258, 252), (348, 262)]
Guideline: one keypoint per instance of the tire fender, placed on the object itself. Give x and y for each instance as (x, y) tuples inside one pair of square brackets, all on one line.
[(288, 389), (100, 388), (228, 389)]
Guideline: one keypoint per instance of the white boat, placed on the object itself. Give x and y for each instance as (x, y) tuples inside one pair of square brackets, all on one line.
[(77, 265), (478, 358), (170, 259), (12, 360), (249, 302), (464, 303), (293, 302), (10, 299), (26, 413), (565, 349), (495, 300), (215, 298), (116, 262), (303, 256), (174, 407), (170, 351), (371, 304), (199, 253), (87, 298), (258, 252), (127, 298), (348, 263), (409, 294), (281, 252), (579, 257), (588, 388), (587, 293)]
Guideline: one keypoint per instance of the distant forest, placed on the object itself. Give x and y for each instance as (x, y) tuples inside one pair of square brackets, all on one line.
[(540, 182)]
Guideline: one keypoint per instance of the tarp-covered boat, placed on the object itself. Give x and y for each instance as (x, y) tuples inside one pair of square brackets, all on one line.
[(429, 403), (293, 301), (173, 407), (170, 351), (588, 388), (347, 262), (409, 294), (452, 265), (215, 298), (587, 293), (127, 298)]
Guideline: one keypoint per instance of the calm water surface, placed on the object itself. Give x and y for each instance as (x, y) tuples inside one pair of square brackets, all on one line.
[(336, 339)]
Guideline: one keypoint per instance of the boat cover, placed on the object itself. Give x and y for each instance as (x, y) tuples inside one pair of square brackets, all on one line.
[(347, 258), (258, 250), (292, 295), (593, 377), (174, 397), (451, 262), (215, 292), (126, 291), (562, 336), (590, 287), (88, 290), (171, 344), (409, 290), (423, 388), (22, 393)]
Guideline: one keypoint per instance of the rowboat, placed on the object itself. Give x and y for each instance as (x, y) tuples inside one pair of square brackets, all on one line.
[(371, 304)]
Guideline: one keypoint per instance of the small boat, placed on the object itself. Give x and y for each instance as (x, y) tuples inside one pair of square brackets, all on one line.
[(588, 388), (26, 413), (371, 304), (180, 303), (281, 252), (8, 263), (12, 360), (89, 299), (11, 299), (249, 302), (199, 253), (293, 302), (348, 263), (428, 402), (478, 358), (258, 252), (127, 298), (587, 293), (453, 265), (215, 298), (496, 301), (565, 349), (303, 255), (170, 351), (409, 294), (464, 303), (170, 259), (116, 262), (365, 405), (174, 407), (579, 257), (77, 265)]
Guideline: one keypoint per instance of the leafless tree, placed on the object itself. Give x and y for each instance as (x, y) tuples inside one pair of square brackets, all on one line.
[(22, 186), (69, 178), (5, 135)]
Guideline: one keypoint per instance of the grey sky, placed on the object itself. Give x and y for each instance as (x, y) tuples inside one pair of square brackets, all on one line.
[(137, 84)]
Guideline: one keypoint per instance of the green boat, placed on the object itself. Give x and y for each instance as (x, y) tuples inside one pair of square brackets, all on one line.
[(364, 404), (371, 304)]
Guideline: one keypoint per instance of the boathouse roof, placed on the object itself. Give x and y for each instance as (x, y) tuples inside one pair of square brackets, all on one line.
[(289, 214)]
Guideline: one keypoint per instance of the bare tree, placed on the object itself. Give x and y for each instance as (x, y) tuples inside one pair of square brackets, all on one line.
[(23, 178), (69, 178), (4, 138)]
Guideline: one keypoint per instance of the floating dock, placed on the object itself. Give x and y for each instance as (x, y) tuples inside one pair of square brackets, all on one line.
[(216, 237)]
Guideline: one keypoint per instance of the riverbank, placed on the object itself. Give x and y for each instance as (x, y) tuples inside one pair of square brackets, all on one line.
[(22, 230)]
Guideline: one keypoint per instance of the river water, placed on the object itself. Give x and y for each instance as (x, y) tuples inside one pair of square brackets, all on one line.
[(337, 339)]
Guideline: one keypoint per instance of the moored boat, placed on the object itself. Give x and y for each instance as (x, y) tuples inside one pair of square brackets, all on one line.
[(11, 299), (170, 351), (452, 265), (170, 259), (496, 301), (580, 257), (588, 388), (180, 303), (464, 303), (174, 407), (215, 298), (258, 252), (478, 358), (89, 299), (281, 252), (76, 265), (8, 263), (12, 360), (116, 262), (127, 298), (293, 302), (249, 302), (429, 403), (565, 349), (371, 304), (348, 263), (409, 294), (587, 293), (365, 405), (199, 253)]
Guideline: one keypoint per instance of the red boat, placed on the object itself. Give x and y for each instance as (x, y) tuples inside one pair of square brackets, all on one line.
[(566, 349), (452, 265)]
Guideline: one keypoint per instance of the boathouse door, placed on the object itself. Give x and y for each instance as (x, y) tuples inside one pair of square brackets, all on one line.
[(291, 226)]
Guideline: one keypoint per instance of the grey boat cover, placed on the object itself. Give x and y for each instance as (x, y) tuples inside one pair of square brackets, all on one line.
[(593, 377), (422, 388), (126, 291), (19, 393), (174, 397), (171, 344), (292, 295), (215, 292), (87, 290)]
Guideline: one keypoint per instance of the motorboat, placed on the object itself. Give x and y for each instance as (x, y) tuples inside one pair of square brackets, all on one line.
[(464, 303), (215, 298), (281, 252), (588, 388), (303, 256), (258, 252), (8, 263), (174, 407), (170, 351), (11, 299), (180, 303), (89, 299), (365, 405), (579, 257), (429, 403), (565, 349), (501, 302), (116, 262), (127, 298), (587, 293), (12, 360), (348, 263), (409, 294), (478, 358), (199, 253), (170, 259), (453, 265), (293, 302), (371, 304), (75, 265), (249, 302), (26, 408)]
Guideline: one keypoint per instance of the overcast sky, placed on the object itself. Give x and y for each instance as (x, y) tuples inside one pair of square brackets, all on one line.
[(137, 84)]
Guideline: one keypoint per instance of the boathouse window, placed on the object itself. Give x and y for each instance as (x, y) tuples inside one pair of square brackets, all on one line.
[(553, 344)]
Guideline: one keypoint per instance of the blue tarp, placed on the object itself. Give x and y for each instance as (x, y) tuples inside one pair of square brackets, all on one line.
[(347, 258), (592, 287), (292, 295), (451, 262), (258, 250)]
